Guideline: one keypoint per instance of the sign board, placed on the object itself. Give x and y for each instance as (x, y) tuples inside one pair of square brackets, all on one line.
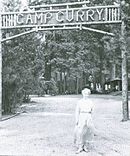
[(61, 17)]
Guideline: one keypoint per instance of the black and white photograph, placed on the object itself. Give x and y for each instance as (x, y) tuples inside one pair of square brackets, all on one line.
[(64, 77)]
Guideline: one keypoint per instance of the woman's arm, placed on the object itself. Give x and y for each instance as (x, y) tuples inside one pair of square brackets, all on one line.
[(77, 114)]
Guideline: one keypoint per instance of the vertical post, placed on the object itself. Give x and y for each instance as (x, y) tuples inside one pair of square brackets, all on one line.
[(125, 106), (0, 63), (124, 75)]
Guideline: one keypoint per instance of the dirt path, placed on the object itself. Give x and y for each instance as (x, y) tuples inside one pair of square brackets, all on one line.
[(46, 129)]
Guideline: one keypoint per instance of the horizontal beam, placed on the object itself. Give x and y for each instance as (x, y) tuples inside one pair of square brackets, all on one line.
[(39, 29), (63, 24), (80, 27), (57, 10), (89, 7), (60, 5), (58, 28)]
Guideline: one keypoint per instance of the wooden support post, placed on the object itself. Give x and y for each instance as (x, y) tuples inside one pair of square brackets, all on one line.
[(98, 31), (0, 65), (125, 106), (18, 35)]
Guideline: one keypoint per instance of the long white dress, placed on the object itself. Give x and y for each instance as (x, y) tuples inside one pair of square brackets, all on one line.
[(84, 130)]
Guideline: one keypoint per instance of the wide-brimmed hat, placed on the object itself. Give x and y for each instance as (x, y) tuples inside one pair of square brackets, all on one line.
[(86, 91)]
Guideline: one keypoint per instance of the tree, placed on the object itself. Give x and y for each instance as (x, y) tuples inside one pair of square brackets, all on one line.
[(22, 65), (65, 60)]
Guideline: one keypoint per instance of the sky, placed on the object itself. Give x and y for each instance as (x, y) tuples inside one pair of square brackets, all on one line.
[(24, 2)]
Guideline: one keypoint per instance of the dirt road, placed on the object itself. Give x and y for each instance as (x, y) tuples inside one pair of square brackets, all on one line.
[(46, 129)]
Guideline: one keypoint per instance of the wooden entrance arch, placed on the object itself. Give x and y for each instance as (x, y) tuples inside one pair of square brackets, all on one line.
[(63, 16)]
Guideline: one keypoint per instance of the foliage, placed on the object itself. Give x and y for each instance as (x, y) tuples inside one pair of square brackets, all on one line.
[(21, 67), (62, 63)]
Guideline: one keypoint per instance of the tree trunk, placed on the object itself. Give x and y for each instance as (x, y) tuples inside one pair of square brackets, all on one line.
[(61, 86), (64, 87), (47, 70), (77, 85), (101, 76)]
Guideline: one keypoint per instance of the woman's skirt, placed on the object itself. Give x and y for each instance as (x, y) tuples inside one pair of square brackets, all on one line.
[(84, 131)]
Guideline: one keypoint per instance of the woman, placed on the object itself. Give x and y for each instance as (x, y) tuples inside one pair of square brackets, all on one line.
[(84, 129)]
